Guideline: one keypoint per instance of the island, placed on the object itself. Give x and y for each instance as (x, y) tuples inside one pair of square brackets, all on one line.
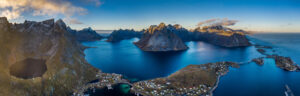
[(221, 36), (285, 63), (258, 61), (160, 38)]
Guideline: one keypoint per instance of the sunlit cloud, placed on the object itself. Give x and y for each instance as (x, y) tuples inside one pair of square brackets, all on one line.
[(218, 22), (10, 14), (13, 9)]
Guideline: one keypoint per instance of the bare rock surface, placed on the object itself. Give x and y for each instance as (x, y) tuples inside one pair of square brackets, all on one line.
[(160, 38)]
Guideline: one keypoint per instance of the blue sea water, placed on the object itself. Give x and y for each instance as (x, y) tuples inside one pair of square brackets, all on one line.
[(249, 80), (266, 80)]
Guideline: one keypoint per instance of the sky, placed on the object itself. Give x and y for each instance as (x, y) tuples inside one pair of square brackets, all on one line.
[(250, 15)]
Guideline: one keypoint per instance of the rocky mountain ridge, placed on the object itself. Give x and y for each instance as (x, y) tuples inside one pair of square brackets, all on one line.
[(221, 36), (86, 34), (217, 35), (118, 35), (41, 58), (160, 38)]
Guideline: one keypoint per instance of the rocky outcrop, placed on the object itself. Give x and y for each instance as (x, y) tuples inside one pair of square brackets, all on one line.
[(119, 35), (41, 58), (285, 63), (86, 34), (193, 80), (221, 36), (160, 38)]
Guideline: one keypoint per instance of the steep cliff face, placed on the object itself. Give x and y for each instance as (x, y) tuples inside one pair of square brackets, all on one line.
[(41, 58), (119, 35), (221, 36), (160, 38), (87, 34), (181, 32)]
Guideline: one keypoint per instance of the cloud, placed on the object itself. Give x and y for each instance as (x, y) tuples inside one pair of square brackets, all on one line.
[(10, 14), (218, 22), (13, 9), (206, 22)]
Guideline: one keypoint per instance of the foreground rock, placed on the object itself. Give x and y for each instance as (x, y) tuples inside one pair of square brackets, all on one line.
[(160, 38), (221, 36), (87, 34), (119, 35), (193, 80), (285, 63), (41, 58)]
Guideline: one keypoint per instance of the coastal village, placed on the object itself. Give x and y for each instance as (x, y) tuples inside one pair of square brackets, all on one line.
[(105, 80), (176, 84)]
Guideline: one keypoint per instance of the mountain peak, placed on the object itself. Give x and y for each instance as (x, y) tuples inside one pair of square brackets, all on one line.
[(3, 20), (48, 22), (161, 25), (61, 23), (3, 23)]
